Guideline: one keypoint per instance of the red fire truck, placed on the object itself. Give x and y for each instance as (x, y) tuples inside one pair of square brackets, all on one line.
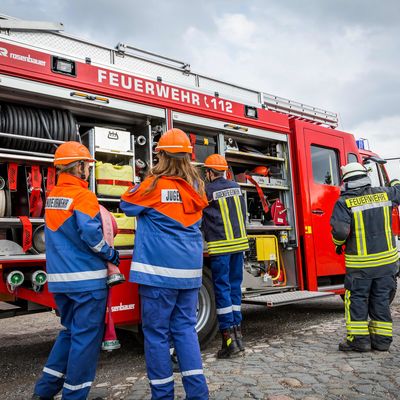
[(118, 101)]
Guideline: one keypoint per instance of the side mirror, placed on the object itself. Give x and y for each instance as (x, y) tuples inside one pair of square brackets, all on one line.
[(376, 159)]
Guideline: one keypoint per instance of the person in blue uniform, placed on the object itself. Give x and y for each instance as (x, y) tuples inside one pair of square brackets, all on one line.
[(76, 264), (167, 264), (362, 222), (225, 233)]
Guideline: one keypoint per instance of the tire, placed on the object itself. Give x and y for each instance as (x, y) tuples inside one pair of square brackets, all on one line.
[(207, 324)]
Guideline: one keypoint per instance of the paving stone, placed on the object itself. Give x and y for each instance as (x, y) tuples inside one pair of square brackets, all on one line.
[(291, 382), (302, 365)]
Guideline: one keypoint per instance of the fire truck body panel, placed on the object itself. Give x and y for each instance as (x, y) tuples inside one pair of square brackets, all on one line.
[(113, 94)]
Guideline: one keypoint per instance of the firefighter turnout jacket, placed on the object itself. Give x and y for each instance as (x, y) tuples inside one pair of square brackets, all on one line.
[(168, 251), (76, 251), (362, 221), (223, 222)]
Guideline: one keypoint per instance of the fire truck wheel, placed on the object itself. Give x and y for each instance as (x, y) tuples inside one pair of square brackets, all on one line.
[(207, 324)]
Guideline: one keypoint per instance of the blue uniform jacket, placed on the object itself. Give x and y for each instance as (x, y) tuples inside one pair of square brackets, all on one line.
[(168, 249), (76, 251)]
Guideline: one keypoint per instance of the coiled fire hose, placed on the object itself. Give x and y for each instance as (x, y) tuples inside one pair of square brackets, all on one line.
[(34, 122)]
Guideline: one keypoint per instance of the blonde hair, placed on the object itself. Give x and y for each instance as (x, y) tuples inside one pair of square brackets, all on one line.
[(179, 167)]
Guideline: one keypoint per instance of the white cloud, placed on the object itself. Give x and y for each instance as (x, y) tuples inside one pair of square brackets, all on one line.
[(236, 29), (383, 135)]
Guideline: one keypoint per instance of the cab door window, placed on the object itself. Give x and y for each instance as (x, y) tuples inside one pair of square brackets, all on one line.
[(374, 173), (325, 165)]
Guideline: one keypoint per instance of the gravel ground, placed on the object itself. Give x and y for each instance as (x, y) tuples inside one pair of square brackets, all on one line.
[(291, 354)]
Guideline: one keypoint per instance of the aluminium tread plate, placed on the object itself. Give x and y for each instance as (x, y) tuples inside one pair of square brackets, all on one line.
[(280, 299)]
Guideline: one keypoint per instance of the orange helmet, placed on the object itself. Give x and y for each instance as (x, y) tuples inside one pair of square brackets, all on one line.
[(216, 161), (174, 141), (261, 170), (70, 152)]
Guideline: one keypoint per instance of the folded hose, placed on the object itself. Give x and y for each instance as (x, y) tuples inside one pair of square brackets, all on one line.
[(34, 122)]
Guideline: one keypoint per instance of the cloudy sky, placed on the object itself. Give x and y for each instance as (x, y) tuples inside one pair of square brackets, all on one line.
[(340, 55)]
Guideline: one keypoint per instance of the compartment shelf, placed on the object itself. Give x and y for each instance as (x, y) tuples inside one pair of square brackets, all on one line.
[(235, 154), (16, 221), (251, 186), (109, 199), (117, 152), (258, 228)]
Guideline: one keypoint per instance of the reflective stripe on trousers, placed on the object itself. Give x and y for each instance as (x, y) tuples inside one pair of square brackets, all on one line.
[(72, 362), (227, 274), (171, 314)]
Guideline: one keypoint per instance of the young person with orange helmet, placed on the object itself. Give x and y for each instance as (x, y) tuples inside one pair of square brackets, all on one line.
[(225, 233), (167, 264), (76, 263)]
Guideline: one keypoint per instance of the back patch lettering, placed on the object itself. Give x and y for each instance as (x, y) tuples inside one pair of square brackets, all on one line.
[(58, 203), (170, 196)]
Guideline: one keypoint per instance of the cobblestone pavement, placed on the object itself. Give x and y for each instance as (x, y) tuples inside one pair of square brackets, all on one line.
[(302, 364), (291, 354)]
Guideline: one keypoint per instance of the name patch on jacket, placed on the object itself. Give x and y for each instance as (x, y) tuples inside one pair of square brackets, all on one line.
[(58, 203), (227, 193), (367, 199), (170, 196)]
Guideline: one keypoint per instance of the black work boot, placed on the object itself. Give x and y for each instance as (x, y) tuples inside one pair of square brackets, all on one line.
[(346, 346), (37, 397), (238, 336), (229, 345)]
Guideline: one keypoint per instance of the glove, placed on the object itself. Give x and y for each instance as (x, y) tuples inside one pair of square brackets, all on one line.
[(114, 257), (339, 250)]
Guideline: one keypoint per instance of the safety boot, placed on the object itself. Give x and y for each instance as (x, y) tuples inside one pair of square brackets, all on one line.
[(37, 397), (346, 346), (237, 330), (229, 345)]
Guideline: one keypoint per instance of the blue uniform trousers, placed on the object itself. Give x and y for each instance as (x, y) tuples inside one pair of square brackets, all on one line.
[(71, 365), (369, 297), (227, 274), (171, 314)]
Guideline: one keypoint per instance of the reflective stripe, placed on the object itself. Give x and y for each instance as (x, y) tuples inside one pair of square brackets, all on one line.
[(388, 227), (362, 232), (99, 246), (371, 257), (223, 205), (167, 272), (347, 312), (240, 216), (338, 242), (371, 206), (192, 372), (354, 332), (77, 276), (225, 310), (372, 264), (161, 381), (53, 372), (380, 332), (236, 308), (222, 243), (357, 232), (238, 248), (78, 387), (381, 324)]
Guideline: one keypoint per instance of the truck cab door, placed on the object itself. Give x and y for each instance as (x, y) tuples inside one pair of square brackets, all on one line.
[(323, 154)]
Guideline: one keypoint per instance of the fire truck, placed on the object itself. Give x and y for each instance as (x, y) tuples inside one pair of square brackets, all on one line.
[(285, 155)]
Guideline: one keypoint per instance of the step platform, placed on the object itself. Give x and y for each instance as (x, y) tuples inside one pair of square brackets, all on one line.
[(281, 299)]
